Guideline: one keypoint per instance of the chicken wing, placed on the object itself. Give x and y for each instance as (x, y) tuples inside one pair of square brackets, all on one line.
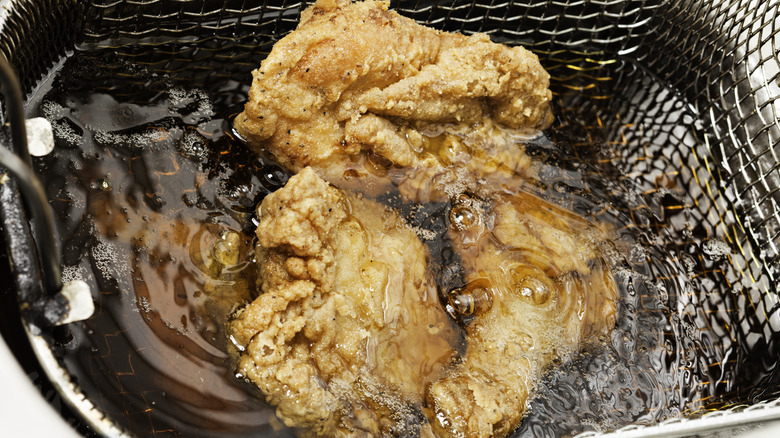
[(348, 329)]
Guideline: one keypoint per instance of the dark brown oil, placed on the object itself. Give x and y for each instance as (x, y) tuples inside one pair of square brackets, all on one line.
[(155, 202), (155, 205)]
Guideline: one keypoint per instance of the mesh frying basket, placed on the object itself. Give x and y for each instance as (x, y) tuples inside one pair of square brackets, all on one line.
[(678, 98)]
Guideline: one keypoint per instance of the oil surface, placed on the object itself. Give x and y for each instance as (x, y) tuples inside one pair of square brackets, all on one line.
[(154, 203), (155, 200)]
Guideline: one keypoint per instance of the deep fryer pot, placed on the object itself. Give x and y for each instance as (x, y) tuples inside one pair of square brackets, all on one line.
[(714, 127)]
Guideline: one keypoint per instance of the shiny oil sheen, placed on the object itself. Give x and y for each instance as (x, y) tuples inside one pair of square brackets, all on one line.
[(155, 196)]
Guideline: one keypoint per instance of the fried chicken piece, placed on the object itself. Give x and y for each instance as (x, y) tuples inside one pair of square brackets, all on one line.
[(355, 79), (348, 329), (437, 115), (537, 290)]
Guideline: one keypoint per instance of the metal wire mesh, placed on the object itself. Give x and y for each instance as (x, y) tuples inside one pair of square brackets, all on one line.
[(680, 96)]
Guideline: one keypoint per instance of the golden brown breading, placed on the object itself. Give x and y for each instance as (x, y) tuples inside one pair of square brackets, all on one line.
[(482, 159), (370, 100), (356, 77), (538, 291), (348, 329)]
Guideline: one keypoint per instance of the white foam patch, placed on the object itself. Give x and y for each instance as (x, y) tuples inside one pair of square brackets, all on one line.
[(64, 132), (458, 185), (424, 234), (72, 273), (140, 140), (54, 111), (143, 306), (179, 98), (110, 260)]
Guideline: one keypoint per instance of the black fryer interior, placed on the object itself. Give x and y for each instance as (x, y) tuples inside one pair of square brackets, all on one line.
[(712, 129)]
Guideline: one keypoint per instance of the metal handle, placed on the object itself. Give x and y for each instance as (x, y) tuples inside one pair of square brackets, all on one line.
[(20, 167)]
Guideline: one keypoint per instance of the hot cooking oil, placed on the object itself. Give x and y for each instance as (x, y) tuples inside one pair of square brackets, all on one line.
[(155, 197)]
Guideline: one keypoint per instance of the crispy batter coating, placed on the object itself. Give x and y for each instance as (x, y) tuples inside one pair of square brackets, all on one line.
[(348, 330), (538, 291), (328, 91), (438, 116), (482, 159)]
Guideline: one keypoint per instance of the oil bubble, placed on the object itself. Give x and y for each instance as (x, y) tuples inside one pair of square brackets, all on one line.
[(473, 299), (532, 283), (378, 164), (463, 217), (226, 249), (103, 184)]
